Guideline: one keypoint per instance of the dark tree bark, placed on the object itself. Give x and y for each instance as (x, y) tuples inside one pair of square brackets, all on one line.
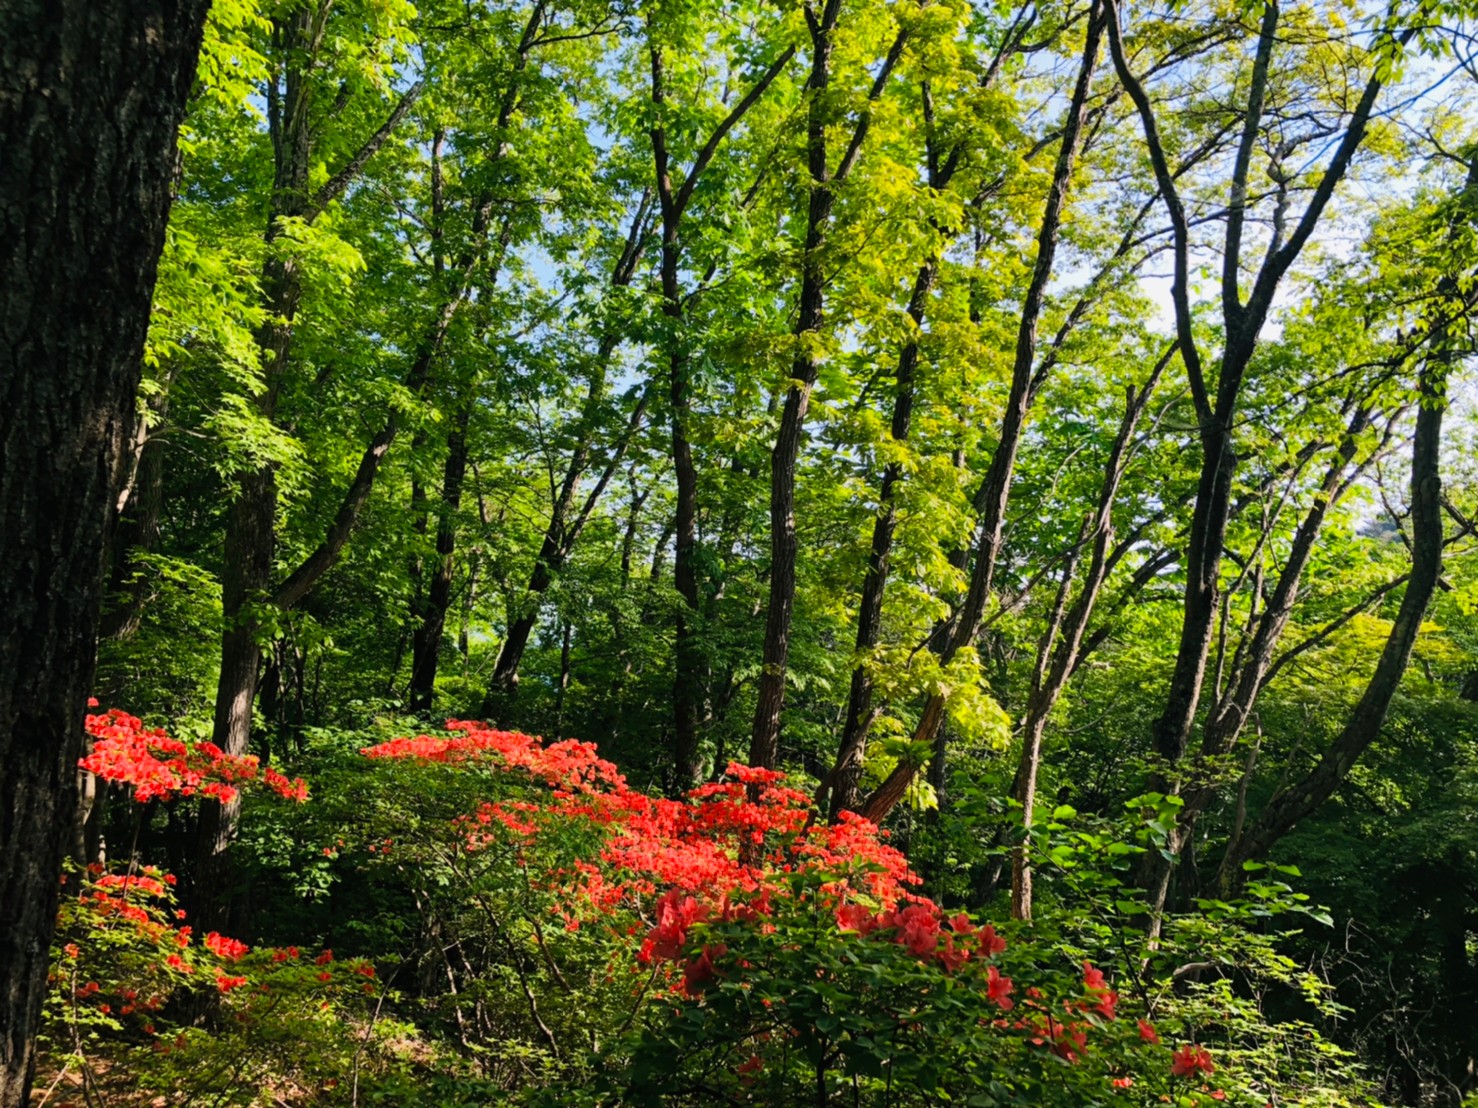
[(91, 97), (140, 504), (426, 647), (673, 197), (764, 740), (564, 528), (1243, 322), (846, 773), (433, 607)]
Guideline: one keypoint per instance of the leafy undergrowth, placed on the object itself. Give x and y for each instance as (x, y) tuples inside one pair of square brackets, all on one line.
[(510, 921)]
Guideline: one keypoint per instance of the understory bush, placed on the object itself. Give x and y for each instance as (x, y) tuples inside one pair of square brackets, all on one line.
[(477, 916)]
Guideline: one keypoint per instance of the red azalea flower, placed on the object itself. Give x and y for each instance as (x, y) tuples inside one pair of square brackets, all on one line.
[(1191, 1059), (999, 988)]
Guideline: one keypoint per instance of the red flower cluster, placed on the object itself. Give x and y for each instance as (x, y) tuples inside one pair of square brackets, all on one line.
[(723, 852), (569, 764), (224, 947), (1101, 999), (722, 840), (731, 851), (919, 926), (1190, 1060), (135, 911), (161, 768)]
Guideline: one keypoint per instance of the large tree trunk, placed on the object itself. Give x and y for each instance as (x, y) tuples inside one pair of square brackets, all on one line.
[(91, 96)]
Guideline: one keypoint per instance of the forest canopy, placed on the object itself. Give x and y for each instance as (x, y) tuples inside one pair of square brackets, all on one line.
[(979, 499)]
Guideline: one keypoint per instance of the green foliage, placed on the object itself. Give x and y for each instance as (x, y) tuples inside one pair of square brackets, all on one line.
[(487, 286)]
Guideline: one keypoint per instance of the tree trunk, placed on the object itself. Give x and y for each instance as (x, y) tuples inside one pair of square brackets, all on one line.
[(846, 773), (246, 573), (1298, 800), (673, 197), (995, 489), (764, 742), (1217, 412), (246, 576), (91, 96), (1062, 643), (559, 535), (426, 650), (137, 531)]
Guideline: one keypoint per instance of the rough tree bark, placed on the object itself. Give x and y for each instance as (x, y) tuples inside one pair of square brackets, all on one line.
[(91, 97)]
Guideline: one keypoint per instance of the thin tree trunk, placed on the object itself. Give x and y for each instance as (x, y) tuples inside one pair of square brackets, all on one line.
[(846, 773), (1063, 640), (426, 648), (91, 97), (246, 576), (845, 776), (673, 196), (138, 529), (995, 489), (565, 640), (764, 740), (1295, 802), (563, 531), (1217, 414), (246, 572), (559, 535)]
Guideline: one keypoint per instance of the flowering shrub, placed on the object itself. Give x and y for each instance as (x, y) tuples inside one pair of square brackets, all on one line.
[(560, 937), (186, 1014), (170, 1011), (158, 767), (770, 951)]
